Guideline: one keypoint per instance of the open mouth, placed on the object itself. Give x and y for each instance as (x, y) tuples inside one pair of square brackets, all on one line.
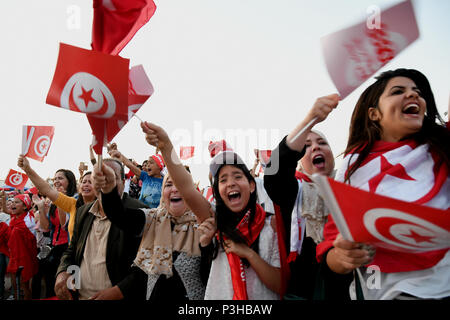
[(176, 200), (319, 161), (234, 196), (411, 108)]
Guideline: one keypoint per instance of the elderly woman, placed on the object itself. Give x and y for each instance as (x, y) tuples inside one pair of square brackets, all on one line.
[(169, 253)]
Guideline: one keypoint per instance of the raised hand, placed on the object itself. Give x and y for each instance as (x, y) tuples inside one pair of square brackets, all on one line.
[(115, 154), (23, 163), (155, 135), (104, 178), (323, 106)]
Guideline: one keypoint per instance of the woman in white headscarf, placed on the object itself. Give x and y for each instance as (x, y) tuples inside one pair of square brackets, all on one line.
[(303, 210)]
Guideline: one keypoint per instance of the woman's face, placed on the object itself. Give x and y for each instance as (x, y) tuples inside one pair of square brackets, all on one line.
[(60, 182), (172, 199), (17, 207), (234, 188), (318, 157), (401, 109), (87, 188)]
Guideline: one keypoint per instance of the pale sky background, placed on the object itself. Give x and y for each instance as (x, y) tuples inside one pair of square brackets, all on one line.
[(244, 70)]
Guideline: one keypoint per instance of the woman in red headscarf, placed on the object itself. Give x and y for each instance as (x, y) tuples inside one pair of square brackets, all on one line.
[(22, 245)]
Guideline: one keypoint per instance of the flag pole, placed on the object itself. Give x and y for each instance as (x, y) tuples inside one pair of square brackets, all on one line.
[(303, 130)]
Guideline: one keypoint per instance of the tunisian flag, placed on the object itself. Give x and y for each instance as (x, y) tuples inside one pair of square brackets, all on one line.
[(407, 236), (16, 179), (117, 21), (139, 90), (186, 152), (90, 82), (93, 83), (353, 54), (36, 141)]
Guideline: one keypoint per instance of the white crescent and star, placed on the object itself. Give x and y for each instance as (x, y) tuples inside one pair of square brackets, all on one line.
[(84, 92), (402, 231)]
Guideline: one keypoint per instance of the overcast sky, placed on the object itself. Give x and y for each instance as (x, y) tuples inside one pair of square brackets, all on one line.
[(244, 70)]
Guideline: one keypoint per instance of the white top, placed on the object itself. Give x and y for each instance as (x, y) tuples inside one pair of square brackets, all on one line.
[(431, 283), (220, 286), (4, 217)]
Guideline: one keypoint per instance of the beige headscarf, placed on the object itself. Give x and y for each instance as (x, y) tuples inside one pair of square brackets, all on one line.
[(313, 206), (159, 240)]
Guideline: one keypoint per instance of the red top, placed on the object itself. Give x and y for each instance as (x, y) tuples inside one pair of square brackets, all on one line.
[(4, 237), (60, 235), (22, 248)]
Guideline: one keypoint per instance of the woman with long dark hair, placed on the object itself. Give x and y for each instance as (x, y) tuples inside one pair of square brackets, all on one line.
[(246, 263), (398, 147)]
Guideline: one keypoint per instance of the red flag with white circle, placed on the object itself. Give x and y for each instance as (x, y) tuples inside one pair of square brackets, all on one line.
[(16, 179), (36, 141), (355, 53), (407, 235), (90, 82)]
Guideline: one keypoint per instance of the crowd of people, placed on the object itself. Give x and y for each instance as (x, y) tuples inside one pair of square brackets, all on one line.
[(130, 231)]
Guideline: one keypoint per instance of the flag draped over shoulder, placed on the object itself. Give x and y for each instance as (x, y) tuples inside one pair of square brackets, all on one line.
[(397, 201), (117, 21)]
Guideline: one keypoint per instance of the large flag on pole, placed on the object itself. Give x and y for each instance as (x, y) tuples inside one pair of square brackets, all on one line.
[(16, 179), (93, 83), (354, 54), (36, 141), (405, 234), (117, 21)]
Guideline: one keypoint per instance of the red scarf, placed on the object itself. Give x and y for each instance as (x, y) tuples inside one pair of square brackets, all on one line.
[(236, 266)]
